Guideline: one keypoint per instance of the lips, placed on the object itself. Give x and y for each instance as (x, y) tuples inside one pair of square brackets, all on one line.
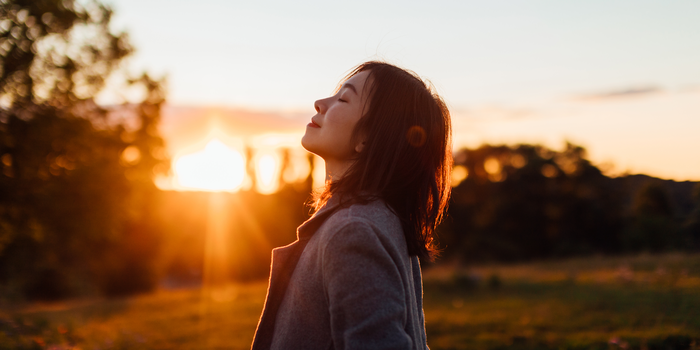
[(313, 124)]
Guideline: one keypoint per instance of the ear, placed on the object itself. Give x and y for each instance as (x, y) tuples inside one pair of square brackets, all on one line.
[(360, 146)]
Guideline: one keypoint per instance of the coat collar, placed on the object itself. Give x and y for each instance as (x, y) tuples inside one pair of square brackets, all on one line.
[(309, 227)]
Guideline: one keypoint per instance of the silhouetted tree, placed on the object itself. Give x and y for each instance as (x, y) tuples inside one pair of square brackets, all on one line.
[(691, 227), (651, 227), (76, 189), (527, 202)]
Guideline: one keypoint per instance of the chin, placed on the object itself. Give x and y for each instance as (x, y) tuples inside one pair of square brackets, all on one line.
[(309, 147), (305, 143)]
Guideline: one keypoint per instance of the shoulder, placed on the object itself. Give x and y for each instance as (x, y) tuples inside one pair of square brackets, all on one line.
[(373, 222), (376, 212)]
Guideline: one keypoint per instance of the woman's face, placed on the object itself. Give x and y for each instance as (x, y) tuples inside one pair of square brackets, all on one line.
[(329, 133)]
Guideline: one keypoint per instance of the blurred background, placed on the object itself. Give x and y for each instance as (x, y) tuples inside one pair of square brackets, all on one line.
[(152, 147)]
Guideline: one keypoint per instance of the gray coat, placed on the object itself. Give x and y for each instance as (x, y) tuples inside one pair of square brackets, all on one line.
[(354, 285)]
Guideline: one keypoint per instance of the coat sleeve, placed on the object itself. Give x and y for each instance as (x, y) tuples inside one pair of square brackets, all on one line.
[(365, 292)]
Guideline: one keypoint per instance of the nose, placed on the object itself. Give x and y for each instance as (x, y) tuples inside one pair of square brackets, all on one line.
[(320, 106)]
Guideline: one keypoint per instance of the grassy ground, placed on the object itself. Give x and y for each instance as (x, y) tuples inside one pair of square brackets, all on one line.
[(185, 319), (606, 303), (641, 302)]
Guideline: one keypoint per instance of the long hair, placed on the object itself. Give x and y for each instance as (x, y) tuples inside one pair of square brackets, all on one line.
[(406, 159)]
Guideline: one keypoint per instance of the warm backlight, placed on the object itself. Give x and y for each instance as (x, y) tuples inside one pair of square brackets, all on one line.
[(267, 173), (215, 168)]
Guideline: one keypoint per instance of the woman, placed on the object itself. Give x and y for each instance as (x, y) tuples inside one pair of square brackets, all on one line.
[(352, 279)]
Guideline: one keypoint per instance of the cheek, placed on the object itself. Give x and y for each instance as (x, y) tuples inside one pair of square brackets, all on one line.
[(349, 119), (343, 131)]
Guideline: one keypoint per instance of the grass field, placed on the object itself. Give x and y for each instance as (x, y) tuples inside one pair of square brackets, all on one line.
[(643, 302)]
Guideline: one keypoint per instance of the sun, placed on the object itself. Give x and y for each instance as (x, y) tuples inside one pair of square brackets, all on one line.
[(216, 168)]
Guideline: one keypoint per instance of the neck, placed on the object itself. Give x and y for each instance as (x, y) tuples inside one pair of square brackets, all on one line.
[(336, 170)]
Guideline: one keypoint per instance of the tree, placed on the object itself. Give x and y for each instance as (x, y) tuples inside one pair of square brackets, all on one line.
[(652, 226), (691, 227), (526, 202), (76, 189)]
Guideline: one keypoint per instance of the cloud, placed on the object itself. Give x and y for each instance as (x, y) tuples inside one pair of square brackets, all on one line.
[(637, 91), (494, 112)]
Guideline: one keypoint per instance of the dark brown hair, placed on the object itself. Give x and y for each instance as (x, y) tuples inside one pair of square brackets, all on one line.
[(406, 159)]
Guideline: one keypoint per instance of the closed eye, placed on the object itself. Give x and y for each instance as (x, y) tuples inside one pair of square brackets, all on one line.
[(341, 100)]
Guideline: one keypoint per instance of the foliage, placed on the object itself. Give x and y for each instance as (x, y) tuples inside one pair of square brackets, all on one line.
[(691, 228), (527, 201), (652, 226), (76, 183)]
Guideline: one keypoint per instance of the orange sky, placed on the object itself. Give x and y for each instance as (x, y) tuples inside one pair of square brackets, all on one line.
[(651, 132), (620, 78)]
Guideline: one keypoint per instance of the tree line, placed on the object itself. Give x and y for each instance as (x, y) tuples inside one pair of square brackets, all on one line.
[(527, 201)]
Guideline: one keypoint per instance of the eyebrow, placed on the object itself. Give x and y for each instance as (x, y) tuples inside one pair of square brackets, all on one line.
[(350, 86)]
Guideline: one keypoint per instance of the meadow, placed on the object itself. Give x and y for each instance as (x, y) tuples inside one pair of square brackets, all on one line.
[(638, 302)]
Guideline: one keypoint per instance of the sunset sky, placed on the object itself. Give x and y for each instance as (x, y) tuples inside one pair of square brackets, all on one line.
[(621, 78)]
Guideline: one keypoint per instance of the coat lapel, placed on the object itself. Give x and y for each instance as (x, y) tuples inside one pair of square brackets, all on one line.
[(284, 261)]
